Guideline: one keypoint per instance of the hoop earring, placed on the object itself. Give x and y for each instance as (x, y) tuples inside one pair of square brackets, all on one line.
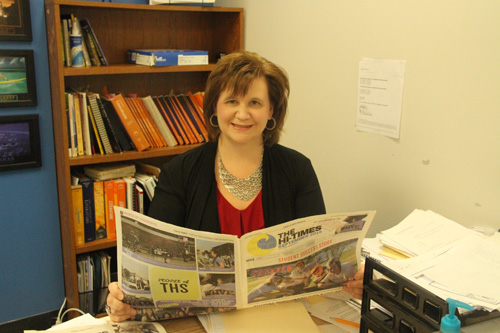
[(212, 122), (274, 125)]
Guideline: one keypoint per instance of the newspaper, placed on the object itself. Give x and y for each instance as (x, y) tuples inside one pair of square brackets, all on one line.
[(168, 271)]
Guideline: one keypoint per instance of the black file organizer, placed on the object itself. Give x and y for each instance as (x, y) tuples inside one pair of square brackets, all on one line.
[(408, 307)]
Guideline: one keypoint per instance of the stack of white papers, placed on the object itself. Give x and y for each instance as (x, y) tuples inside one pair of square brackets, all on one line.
[(421, 232), (444, 257), (467, 270), (89, 324)]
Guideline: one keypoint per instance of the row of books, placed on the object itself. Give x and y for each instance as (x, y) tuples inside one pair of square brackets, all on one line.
[(101, 187), (113, 124), (94, 274), (92, 51)]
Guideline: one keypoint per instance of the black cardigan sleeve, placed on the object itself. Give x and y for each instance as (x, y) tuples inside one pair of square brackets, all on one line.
[(169, 201)]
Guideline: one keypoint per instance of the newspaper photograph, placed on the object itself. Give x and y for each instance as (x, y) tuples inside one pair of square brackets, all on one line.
[(169, 272), (304, 257)]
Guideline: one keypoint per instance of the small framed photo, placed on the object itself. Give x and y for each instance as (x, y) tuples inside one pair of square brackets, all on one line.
[(17, 78), (15, 20), (19, 142)]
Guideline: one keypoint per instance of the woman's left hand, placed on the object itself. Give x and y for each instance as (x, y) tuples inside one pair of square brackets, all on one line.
[(355, 286)]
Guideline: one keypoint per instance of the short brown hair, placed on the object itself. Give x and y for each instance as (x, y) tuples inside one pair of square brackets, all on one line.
[(235, 72)]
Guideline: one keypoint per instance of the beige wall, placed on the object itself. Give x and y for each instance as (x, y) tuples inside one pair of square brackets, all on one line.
[(448, 156)]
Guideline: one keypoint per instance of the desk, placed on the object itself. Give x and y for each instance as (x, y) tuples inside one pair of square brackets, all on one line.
[(193, 325)]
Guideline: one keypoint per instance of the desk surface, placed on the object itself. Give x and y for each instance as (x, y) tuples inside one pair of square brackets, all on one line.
[(193, 325)]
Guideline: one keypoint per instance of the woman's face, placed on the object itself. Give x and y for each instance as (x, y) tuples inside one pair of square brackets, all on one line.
[(242, 119)]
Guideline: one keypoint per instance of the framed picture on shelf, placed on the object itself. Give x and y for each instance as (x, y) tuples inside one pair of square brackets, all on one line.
[(15, 20), (17, 78), (19, 142)]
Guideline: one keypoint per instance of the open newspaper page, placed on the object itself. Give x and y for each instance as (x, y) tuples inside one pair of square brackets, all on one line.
[(304, 257), (169, 272)]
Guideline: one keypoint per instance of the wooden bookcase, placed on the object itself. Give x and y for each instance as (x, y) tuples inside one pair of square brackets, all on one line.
[(120, 27)]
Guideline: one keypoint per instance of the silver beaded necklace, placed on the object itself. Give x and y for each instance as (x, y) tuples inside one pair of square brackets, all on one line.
[(241, 188)]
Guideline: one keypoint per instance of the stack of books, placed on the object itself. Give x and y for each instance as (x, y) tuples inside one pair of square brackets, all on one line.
[(101, 187), (92, 51), (98, 125)]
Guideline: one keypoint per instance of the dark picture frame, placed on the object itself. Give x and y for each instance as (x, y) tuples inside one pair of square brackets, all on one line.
[(19, 142), (17, 78), (15, 21)]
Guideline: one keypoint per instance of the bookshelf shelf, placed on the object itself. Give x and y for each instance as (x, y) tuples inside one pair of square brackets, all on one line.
[(130, 155), (120, 27), (95, 246), (134, 69)]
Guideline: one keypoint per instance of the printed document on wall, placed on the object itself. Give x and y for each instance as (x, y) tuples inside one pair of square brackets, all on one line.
[(380, 96)]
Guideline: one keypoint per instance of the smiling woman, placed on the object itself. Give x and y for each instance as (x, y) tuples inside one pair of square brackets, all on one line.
[(242, 179)]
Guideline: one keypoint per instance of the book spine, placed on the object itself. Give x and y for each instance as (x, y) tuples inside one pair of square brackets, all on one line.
[(139, 199), (120, 188), (95, 144), (85, 124), (159, 121), (162, 108), (100, 124), (130, 123), (109, 197), (173, 117), (88, 209), (94, 57), (95, 131), (77, 214), (71, 124), (78, 123), (130, 192), (65, 33), (190, 118), (141, 121), (149, 122), (94, 39), (182, 121), (198, 98), (100, 210), (198, 114), (108, 111)]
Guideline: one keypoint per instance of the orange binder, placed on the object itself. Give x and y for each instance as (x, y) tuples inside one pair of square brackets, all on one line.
[(141, 122), (130, 123), (149, 122)]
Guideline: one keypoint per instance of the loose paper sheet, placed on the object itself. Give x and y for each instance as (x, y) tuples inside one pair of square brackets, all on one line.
[(380, 96), (284, 317)]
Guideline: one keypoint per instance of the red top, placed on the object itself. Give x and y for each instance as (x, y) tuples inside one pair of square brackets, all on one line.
[(238, 222)]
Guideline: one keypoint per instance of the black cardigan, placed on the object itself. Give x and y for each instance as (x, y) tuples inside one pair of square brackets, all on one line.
[(186, 194)]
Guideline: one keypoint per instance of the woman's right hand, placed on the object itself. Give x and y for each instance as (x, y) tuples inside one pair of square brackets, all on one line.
[(118, 311)]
